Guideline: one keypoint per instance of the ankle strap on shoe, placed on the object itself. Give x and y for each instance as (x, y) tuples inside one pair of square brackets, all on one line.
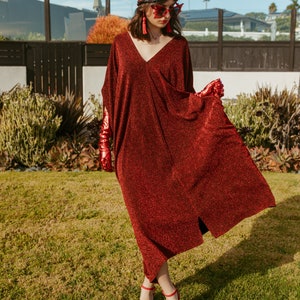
[(170, 294), (147, 288)]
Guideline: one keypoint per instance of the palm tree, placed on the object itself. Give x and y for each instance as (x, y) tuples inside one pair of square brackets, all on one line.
[(294, 4), (206, 3), (107, 7), (272, 8)]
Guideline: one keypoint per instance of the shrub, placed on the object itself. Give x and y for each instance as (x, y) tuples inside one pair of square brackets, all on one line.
[(266, 118), (68, 155), (261, 157), (28, 127), (245, 114), (106, 28), (27, 138), (284, 116), (74, 123), (285, 160), (96, 107), (3, 38), (97, 112), (278, 160), (201, 25), (196, 38), (77, 137)]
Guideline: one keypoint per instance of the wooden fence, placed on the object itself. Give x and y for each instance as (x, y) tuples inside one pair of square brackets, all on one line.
[(246, 56), (54, 66)]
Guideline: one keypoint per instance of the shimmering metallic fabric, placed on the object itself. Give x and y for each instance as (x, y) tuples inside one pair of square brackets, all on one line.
[(177, 156), (104, 143), (214, 88)]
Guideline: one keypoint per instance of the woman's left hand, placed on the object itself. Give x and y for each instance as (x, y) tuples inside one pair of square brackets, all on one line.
[(215, 88), (218, 89)]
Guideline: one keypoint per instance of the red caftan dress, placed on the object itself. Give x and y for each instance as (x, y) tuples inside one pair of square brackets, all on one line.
[(178, 159)]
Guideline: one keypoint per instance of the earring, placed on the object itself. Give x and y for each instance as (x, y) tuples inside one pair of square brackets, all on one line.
[(169, 28), (144, 25)]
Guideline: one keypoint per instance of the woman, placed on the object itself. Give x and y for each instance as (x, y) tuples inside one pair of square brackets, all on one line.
[(180, 163)]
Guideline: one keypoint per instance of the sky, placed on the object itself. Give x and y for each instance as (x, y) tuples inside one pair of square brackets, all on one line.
[(126, 8)]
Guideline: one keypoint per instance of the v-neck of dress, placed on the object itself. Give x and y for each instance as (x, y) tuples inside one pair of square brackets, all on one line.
[(154, 55)]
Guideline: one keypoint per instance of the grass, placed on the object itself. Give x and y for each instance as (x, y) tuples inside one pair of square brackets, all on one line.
[(68, 236)]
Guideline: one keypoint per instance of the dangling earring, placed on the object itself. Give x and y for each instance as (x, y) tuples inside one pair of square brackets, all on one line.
[(169, 28), (144, 24)]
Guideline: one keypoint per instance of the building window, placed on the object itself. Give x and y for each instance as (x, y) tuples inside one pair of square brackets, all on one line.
[(71, 23), (20, 21)]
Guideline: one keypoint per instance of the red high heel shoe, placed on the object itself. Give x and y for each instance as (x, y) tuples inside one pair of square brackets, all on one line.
[(173, 294)]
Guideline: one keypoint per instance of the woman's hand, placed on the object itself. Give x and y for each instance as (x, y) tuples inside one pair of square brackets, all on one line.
[(218, 89), (215, 88), (104, 143)]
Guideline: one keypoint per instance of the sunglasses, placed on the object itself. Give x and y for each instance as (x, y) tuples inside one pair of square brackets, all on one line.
[(160, 11)]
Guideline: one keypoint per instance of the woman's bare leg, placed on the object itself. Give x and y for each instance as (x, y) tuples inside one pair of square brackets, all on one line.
[(147, 290), (164, 280)]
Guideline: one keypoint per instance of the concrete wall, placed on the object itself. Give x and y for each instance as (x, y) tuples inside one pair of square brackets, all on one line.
[(93, 78), (10, 76), (235, 83)]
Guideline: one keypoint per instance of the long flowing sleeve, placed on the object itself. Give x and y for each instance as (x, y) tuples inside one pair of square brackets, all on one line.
[(110, 82), (188, 69)]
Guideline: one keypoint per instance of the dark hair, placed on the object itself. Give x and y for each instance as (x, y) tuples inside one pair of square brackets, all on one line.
[(135, 25)]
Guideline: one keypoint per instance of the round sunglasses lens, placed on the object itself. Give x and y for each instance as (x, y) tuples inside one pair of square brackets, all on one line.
[(159, 10)]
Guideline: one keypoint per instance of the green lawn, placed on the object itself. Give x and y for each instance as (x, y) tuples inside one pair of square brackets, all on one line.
[(68, 236)]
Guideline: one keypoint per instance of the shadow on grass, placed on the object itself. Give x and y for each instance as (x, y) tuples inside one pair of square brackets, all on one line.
[(274, 240)]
